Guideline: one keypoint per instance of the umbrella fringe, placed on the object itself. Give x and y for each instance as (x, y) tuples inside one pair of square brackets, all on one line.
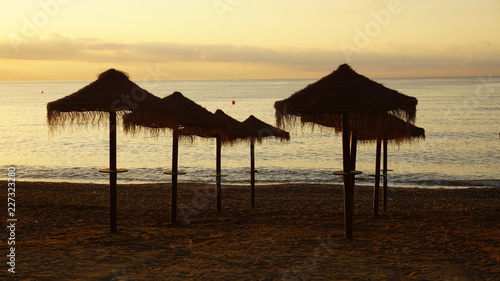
[(60, 119), (393, 141), (185, 134), (368, 126)]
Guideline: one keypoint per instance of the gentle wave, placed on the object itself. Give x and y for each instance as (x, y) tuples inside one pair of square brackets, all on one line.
[(239, 176)]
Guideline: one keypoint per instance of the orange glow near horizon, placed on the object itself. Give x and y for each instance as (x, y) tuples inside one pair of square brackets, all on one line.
[(221, 39)]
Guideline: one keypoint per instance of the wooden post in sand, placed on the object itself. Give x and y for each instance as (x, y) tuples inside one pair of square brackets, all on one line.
[(385, 175), (112, 174), (348, 177), (376, 188), (218, 174), (175, 156), (252, 174), (354, 147)]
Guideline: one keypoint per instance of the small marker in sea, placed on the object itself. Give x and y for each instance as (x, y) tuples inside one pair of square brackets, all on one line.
[(233, 102)]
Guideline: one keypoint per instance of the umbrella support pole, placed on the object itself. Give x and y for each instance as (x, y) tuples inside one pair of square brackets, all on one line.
[(112, 203), (376, 188), (354, 147), (348, 177), (112, 176), (385, 175), (175, 156), (218, 174), (252, 175)]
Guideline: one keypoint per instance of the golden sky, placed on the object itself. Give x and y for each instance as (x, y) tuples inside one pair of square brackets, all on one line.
[(244, 39)]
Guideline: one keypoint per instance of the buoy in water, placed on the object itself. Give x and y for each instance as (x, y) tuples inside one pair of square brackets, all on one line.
[(233, 102)]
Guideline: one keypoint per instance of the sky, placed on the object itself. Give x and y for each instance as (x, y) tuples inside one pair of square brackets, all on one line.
[(247, 39)]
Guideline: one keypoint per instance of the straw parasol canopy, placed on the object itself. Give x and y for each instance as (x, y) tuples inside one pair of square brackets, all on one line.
[(185, 118), (394, 129), (111, 92), (346, 98), (265, 131), (345, 91), (236, 130), (175, 112)]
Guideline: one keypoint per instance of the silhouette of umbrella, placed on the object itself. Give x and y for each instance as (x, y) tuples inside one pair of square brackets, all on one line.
[(265, 131), (346, 97), (396, 131), (110, 94), (185, 118), (237, 132)]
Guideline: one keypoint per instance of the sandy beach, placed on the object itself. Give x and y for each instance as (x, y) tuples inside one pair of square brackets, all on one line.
[(294, 233)]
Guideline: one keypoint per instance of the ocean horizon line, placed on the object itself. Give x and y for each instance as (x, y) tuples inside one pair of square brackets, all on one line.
[(252, 79)]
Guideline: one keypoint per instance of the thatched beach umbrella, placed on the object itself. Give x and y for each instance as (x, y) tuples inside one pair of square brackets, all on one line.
[(345, 95), (110, 94), (237, 132), (265, 131), (185, 118), (397, 131)]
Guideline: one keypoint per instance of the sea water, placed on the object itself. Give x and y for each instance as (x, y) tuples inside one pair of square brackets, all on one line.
[(460, 117)]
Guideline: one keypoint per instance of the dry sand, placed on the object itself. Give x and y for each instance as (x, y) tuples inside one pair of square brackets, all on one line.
[(295, 233)]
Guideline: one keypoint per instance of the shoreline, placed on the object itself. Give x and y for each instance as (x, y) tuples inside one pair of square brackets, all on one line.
[(294, 233), (257, 183)]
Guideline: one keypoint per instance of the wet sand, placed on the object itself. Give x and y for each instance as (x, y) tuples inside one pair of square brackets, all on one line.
[(295, 232)]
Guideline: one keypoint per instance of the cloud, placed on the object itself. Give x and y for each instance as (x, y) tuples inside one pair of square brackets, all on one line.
[(89, 49), (466, 59), (93, 50), (393, 58)]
